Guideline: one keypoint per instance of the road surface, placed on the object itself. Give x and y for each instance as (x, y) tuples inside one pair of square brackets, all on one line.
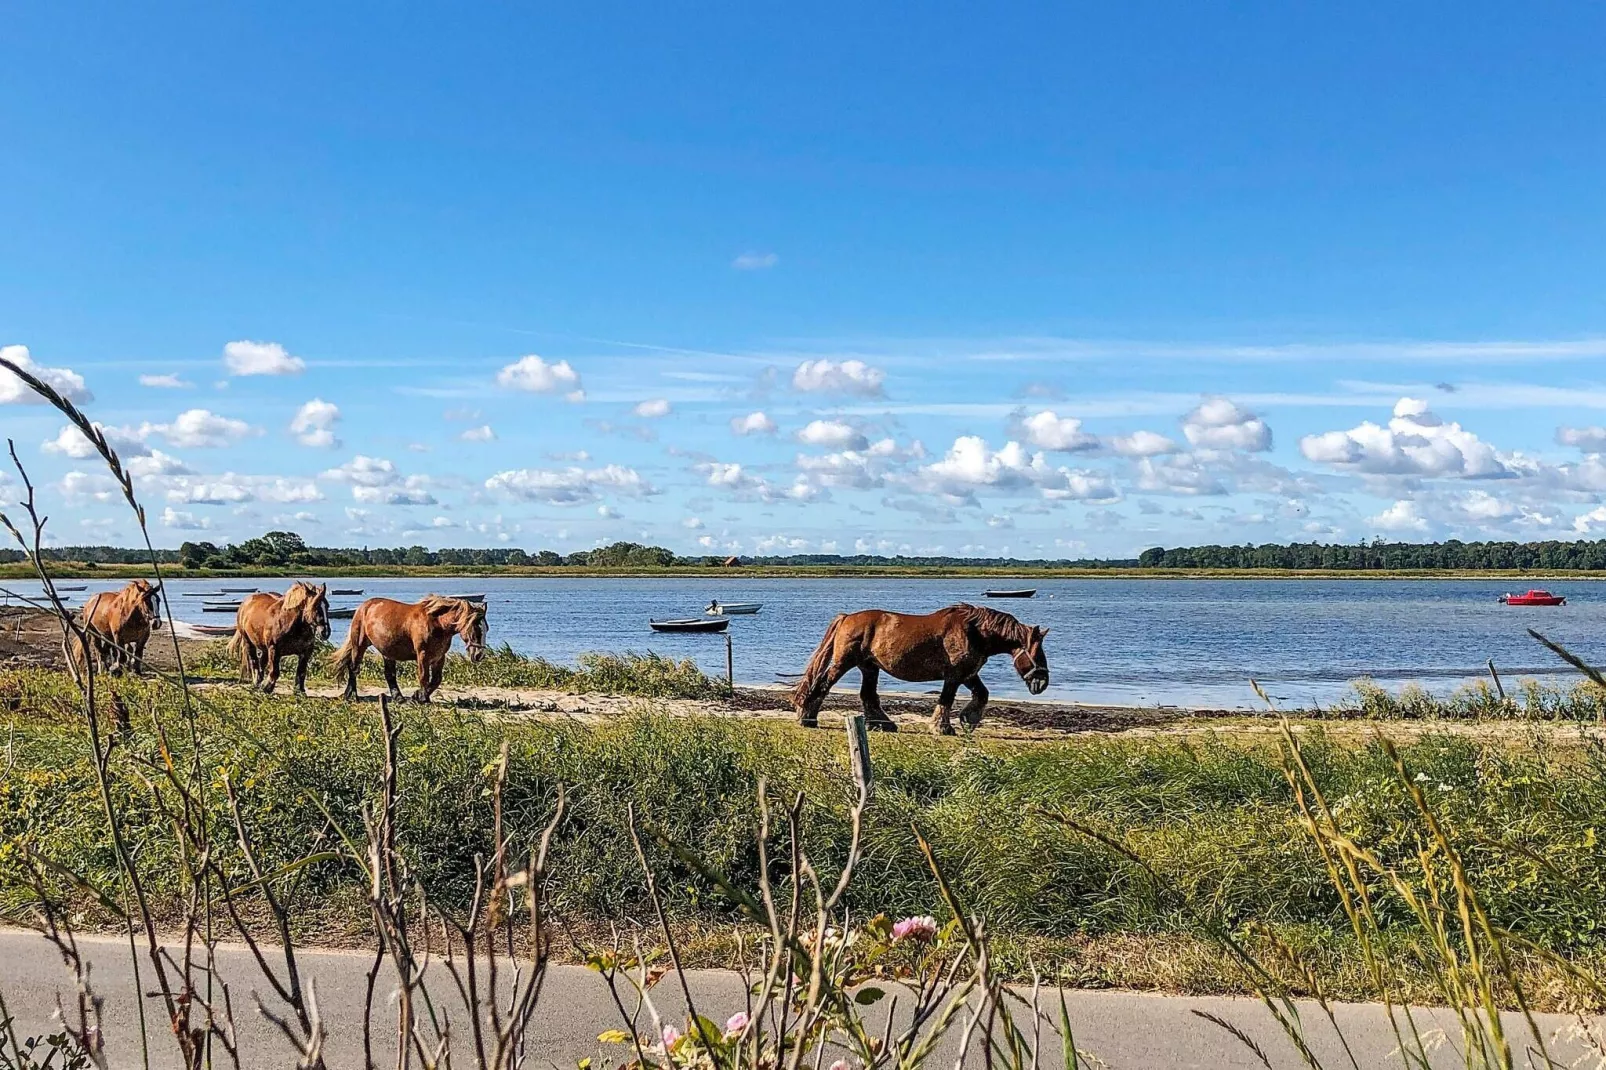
[(1127, 1031)]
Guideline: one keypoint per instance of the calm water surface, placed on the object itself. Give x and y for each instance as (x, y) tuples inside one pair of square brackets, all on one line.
[(1186, 642)]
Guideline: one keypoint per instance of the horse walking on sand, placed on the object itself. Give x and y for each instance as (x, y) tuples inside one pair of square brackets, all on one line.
[(950, 645), (403, 631), (118, 625), (270, 627)]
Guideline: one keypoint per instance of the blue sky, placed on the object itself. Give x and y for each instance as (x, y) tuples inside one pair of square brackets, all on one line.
[(1049, 280)]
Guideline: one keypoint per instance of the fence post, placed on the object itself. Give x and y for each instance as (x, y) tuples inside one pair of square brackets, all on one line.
[(730, 665), (1497, 685), (859, 754)]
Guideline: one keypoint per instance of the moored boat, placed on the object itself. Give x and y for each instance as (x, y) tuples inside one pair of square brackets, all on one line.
[(238, 590), (717, 608), (691, 624), (346, 590), (470, 597), (220, 607), (1025, 592), (1534, 597), (218, 631), (343, 613)]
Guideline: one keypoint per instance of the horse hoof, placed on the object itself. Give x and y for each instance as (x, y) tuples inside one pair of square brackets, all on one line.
[(808, 722), (882, 726)]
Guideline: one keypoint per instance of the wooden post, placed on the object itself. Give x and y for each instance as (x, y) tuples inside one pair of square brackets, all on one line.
[(730, 665), (1497, 685), (859, 754)]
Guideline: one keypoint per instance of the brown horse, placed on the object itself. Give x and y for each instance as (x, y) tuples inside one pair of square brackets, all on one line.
[(403, 631), (950, 645), (119, 625), (271, 627)]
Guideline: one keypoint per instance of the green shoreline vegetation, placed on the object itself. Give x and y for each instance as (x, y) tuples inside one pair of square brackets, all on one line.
[(282, 553)]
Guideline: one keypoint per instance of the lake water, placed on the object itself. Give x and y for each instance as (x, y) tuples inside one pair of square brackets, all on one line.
[(1184, 642)]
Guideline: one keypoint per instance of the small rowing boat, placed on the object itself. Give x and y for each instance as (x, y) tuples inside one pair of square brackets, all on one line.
[(78, 587), (216, 631), (1533, 598), (213, 595), (717, 608), (344, 613), (470, 597), (1025, 592), (692, 624), (238, 590), (346, 590), (220, 607)]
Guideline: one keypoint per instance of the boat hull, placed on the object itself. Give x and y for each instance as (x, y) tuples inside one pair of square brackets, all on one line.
[(734, 609), (1011, 594), (711, 624)]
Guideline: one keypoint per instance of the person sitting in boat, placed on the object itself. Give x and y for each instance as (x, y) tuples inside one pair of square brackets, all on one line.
[(713, 607)]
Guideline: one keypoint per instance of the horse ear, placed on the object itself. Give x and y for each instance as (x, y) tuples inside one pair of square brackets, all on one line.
[(1040, 632)]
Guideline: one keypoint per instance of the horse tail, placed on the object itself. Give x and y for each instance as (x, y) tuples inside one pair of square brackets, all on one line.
[(237, 649), (348, 659), (819, 667)]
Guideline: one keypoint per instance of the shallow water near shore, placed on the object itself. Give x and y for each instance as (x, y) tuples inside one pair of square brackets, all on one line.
[(1149, 642)]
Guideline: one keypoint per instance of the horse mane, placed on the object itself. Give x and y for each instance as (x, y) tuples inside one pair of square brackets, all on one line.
[(439, 603), (990, 622), (301, 593)]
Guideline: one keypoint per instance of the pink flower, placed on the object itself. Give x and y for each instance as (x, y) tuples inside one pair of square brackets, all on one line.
[(736, 1023), (671, 1037), (921, 927), (841, 1064)]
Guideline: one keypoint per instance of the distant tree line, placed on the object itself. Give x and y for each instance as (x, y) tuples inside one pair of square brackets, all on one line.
[(1454, 554)]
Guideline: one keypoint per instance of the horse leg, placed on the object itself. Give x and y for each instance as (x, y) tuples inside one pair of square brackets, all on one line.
[(390, 680), (139, 658), (940, 720), (874, 715), (424, 673), (970, 716), (436, 674), (273, 656), (301, 672)]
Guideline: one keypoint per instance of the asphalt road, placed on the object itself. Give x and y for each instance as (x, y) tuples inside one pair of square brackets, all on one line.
[(1123, 1029)]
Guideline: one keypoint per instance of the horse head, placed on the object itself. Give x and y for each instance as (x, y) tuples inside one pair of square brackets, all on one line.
[(471, 626), (311, 605), (143, 598), (1031, 660)]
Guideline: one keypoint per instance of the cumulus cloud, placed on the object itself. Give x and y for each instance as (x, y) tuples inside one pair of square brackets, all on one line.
[(156, 463), (64, 381), (183, 521), (731, 476), (482, 433), (314, 424), (165, 382), (79, 486), (838, 377), (1592, 522), (971, 465), (1181, 474), (1220, 424), (533, 375), (570, 486), (1050, 431), (755, 261), (231, 488), (1402, 516), (1142, 444), (1416, 442), (201, 429), (70, 442), (608, 512), (261, 358), (652, 409), (1588, 439), (377, 481), (832, 434), (754, 423)]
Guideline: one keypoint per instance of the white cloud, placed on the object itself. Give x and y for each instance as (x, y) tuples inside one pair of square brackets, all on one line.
[(755, 261), (570, 486), (79, 486), (200, 429), (1415, 443), (1219, 424), (1588, 439), (403, 495), (165, 382), (970, 465), (608, 512), (231, 488), (1082, 485), (363, 471), (1000, 521), (533, 375), (377, 481), (1402, 516), (652, 409), (183, 521), (692, 523), (1050, 431), (1592, 522), (1480, 505), (13, 391), (70, 442), (482, 433), (754, 423), (845, 377), (314, 424), (832, 434), (261, 358), (443, 522), (1182, 474), (156, 463), (1142, 444)]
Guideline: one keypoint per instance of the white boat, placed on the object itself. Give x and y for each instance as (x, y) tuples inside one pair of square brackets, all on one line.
[(732, 609)]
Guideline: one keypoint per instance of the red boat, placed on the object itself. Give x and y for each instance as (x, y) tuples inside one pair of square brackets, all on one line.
[(1533, 598)]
